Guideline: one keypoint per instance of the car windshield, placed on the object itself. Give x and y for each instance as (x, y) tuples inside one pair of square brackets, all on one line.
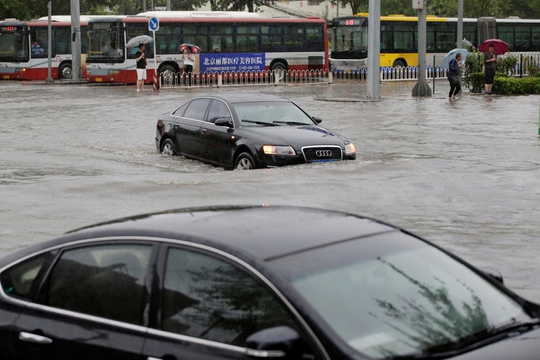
[(271, 113), (394, 295)]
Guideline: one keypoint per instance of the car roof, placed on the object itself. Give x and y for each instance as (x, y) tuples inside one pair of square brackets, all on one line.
[(235, 97), (258, 232), (265, 232)]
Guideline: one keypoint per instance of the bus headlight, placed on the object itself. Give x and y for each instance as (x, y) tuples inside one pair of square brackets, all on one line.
[(278, 150)]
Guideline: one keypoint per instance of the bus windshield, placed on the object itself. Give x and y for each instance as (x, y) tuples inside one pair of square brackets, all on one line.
[(352, 36), (13, 45), (105, 42)]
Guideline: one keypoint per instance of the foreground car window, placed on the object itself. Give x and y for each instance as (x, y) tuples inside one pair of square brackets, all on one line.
[(22, 279), (208, 298), (393, 295), (270, 113), (105, 281)]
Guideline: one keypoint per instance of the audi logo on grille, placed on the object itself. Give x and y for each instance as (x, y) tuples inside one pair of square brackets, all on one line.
[(323, 153)]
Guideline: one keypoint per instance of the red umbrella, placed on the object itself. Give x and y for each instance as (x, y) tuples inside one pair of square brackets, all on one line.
[(500, 46), (194, 48)]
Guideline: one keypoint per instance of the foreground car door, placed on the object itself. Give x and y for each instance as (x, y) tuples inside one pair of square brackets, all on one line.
[(208, 307), (92, 306)]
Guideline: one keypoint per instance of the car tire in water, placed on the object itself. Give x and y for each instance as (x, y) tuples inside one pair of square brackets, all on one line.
[(244, 161), (167, 148), (64, 72)]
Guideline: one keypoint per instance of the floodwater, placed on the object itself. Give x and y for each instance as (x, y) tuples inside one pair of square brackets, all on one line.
[(463, 174)]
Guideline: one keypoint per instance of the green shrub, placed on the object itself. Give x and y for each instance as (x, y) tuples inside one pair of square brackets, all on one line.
[(503, 84)]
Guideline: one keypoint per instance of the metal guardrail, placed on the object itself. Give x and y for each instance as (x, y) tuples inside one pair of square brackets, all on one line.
[(170, 80)]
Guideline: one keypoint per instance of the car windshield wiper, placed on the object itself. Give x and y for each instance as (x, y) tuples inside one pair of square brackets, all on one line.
[(290, 122), (451, 349), (259, 122)]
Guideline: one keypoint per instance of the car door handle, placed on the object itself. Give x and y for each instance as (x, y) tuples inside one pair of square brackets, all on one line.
[(153, 358), (33, 338)]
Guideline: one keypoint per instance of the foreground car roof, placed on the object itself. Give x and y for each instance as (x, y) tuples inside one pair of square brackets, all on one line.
[(235, 97), (263, 231)]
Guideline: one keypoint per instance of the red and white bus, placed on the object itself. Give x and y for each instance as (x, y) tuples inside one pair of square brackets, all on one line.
[(229, 42), (21, 61)]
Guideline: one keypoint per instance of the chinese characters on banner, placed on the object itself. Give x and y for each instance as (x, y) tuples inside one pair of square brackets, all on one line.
[(232, 62)]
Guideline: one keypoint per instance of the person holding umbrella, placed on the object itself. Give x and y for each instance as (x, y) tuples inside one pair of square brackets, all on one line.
[(454, 72), (490, 64), (142, 62), (189, 62)]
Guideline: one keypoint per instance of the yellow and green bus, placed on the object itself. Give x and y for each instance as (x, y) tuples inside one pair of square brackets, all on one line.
[(399, 38)]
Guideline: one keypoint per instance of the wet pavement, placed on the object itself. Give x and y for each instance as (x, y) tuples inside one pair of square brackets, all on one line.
[(463, 174)]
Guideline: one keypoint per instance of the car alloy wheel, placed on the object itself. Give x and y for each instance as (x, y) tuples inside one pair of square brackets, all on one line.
[(244, 161), (167, 149)]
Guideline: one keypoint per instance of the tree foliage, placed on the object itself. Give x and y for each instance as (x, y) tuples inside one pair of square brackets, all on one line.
[(31, 9)]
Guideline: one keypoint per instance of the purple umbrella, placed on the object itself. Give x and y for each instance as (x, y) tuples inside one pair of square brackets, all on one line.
[(500, 46)]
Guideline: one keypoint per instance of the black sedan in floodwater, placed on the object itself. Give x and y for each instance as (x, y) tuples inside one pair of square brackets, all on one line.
[(252, 282), (247, 131)]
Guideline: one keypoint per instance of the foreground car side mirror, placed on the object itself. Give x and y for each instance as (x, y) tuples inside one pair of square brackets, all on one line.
[(277, 342), (223, 122), (317, 119), (493, 273)]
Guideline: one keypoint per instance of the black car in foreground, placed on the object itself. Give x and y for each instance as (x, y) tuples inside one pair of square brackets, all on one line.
[(246, 131), (255, 282)]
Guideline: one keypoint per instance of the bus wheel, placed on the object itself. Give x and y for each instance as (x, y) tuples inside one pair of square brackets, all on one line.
[(399, 63), (167, 72), (64, 72), (244, 161), (279, 69)]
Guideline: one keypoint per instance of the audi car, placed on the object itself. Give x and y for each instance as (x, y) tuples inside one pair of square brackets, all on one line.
[(248, 131), (253, 282)]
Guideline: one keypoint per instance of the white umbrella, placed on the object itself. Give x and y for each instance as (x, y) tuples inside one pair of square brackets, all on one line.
[(137, 40), (452, 55)]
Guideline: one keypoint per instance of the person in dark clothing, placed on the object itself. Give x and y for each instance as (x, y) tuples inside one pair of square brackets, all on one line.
[(490, 64), (141, 67), (454, 77)]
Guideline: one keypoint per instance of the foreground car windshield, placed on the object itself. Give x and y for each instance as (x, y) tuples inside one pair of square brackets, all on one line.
[(392, 294), (270, 114)]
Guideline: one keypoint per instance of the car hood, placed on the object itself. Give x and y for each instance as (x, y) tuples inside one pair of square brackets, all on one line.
[(521, 347), (297, 136)]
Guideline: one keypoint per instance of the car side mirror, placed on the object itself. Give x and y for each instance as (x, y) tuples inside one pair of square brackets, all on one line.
[(223, 122), (317, 120), (277, 342), (493, 273)]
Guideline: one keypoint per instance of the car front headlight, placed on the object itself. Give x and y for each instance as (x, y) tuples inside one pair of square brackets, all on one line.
[(349, 149), (278, 150)]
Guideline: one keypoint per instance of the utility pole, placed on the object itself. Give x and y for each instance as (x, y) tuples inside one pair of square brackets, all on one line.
[(49, 44), (374, 49), (76, 66), (459, 43), (168, 5), (421, 88)]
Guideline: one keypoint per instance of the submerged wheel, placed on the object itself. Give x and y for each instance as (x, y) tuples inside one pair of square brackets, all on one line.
[(244, 161), (280, 69), (167, 149), (167, 73), (64, 72)]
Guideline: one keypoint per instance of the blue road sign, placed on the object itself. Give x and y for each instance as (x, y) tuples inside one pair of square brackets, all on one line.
[(153, 24)]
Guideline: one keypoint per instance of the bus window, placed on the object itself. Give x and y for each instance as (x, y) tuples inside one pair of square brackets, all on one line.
[(116, 47), (222, 38), (294, 35), (62, 41), (271, 37), (196, 34), (168, 38), (446, 37), (247, 38), (41, 37), (506, 34), (535, 37), (315, 37), (403, 36), (522, 38), (470, 33)]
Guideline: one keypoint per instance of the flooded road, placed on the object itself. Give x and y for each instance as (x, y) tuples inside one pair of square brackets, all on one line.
[(463, 174)]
